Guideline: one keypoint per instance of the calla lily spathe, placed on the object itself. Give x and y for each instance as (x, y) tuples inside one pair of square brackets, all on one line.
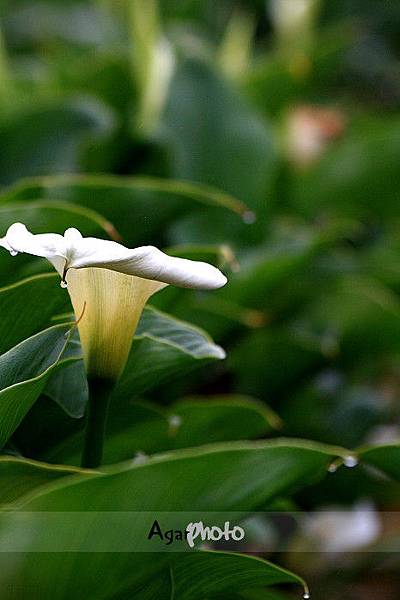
[(73, 251), (109, 285)]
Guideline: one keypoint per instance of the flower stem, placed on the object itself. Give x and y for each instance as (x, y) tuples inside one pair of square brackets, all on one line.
[(99, 400)]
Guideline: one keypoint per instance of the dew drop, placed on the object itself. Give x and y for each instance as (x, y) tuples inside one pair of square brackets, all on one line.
[(13, 252), (63, 284), (350, 461), (306, 596), (175, 421), (140, 458), (249, 217), (332, 468)]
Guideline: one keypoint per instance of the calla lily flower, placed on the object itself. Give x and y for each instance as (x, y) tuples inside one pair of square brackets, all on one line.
[(109, 286)]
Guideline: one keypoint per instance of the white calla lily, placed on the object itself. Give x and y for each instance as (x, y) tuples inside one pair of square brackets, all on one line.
[(109, 285)]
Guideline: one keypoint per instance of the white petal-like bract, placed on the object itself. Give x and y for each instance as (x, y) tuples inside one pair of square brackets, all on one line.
[(72, 251)]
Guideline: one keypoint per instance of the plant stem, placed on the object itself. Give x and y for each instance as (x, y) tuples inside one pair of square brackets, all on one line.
[(99, 400)]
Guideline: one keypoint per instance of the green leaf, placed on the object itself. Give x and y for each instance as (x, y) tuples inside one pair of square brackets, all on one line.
[(68, 386), (190, 480), (234, 149), (202, 575), (199, 484), (159, 587), (139, 207), (19, 477), (26, 307), (162, 349), (216, 138), (53, 138), (24, 373), (142, 428), (385, 457), (220, 418)]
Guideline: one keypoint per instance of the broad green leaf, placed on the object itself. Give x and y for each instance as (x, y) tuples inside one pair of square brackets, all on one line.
[(199, 479), (216, 138), (46, 217), (53, 138), (159, 587), (26, 307), (24, 373), (139, 207), (68, 386), (162, 349), (190, 480), (45, 426), (220, 418), (385, 457), (202, 575), (19, 477), (142, 428)]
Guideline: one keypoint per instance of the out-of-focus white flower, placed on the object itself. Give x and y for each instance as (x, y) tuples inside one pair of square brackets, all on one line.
[(338, 530), (309, 131), (109, 285), (155, 92), (292, 16), (153, 62)]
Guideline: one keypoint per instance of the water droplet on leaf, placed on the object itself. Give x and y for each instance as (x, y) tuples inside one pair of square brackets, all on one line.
[(13, 252), (63, 284), (350, 461), (140, 458), (175, 421), (332, 468), (249, 217)]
